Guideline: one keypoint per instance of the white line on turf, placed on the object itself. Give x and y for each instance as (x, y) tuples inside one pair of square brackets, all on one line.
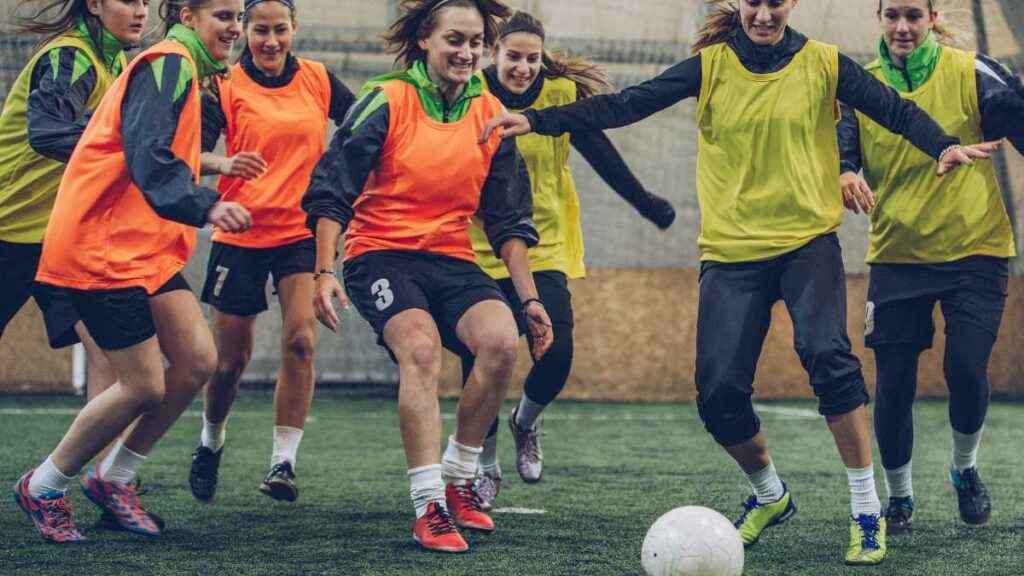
[(519, 511)]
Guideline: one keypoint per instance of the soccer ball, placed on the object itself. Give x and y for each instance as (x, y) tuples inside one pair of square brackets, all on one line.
[(692, 541)]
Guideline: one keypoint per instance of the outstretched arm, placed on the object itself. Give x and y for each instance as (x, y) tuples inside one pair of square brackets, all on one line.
[(606, 110)]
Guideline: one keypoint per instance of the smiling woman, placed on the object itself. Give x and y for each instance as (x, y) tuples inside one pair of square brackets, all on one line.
[(123, 226), (410, 268)]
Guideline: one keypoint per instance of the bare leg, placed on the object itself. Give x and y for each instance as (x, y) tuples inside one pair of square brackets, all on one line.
[(234, 335), (489, 331), (188, 345), (294, 390), (413, 338)]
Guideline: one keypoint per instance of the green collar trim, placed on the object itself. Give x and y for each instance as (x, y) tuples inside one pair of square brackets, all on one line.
[(110, 48), (429, 93), (431, 96), (205, 64), (919, 65)]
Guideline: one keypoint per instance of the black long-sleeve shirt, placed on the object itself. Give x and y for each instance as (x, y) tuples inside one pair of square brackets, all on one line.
[(214, 122), (1000, 99), (150, 113), (856, 87), (56, 107)]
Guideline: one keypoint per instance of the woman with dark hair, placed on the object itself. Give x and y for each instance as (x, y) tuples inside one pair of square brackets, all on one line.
[(122, 228), (401, 179), (526, 76), (945, 240), (769, 94), (273, 110)]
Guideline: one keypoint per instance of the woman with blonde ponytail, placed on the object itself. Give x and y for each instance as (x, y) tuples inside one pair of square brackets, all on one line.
[(526, 76), (766, 175), (123, 225), (932, 240)]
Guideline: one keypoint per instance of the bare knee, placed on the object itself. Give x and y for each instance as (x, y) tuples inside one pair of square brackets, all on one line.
[(148, 391), (229, 366), (425, 358), (497, 350), (299, 346)]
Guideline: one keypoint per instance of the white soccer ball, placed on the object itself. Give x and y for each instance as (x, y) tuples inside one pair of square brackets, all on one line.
[(692, 541)]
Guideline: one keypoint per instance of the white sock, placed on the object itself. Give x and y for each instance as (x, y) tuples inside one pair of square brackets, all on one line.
[(489, 457), (121, 465), (213, 434), (459, 463), (965, 449), (863, 497), (286, 444), (766, 484), (426, 486), (48, 480), (527, 412), (898, 481)]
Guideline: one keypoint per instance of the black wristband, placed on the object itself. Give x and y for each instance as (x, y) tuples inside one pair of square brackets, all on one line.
[(317, 275), (528, 300)]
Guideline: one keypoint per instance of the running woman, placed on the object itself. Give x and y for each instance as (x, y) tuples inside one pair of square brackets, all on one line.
[(409, 267), (44, 116), (526, 76), (767, 93), (273, 110), (122, 228), (945, 240)]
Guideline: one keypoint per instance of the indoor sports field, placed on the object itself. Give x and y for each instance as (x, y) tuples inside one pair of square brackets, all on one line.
[(610, 471)]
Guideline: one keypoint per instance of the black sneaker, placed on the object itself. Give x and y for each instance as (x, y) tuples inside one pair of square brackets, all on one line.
[(203, 476), (280, 482), (972, 496), (899, 515), (107, 521)]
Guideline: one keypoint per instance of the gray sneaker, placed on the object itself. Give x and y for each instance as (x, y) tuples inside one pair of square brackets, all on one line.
[(529, 458), (487, 488)]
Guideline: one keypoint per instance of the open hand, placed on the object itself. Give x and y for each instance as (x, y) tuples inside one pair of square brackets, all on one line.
[(540, 328), (857, 195), (328, 287), (513, 124), (959, 155)]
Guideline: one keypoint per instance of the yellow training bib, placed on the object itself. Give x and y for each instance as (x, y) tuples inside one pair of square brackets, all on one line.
[(768, 160), (28, 180), (556, 207), (919, 217)]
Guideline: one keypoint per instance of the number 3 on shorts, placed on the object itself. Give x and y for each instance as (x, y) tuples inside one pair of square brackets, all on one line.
[(382, 290)]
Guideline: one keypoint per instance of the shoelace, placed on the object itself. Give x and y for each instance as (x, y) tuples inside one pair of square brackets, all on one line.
[(127, 499), (748, 507), (280, 469), (468, 496), (869, 526), (205, 464), (59, 510), (440, 522)]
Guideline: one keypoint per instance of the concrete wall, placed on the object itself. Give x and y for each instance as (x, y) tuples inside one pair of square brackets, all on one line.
[(635, 312)]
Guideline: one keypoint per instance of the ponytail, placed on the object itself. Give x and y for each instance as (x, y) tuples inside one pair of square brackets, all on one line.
[(590, 79), (721, 25)]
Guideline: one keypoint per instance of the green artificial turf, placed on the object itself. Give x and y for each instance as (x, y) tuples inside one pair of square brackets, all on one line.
[(610, 471)]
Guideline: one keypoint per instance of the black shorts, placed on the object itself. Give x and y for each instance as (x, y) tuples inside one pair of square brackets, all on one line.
[(18, 264), (382, 284), (236, 277), (120, 318), (902, 297)]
